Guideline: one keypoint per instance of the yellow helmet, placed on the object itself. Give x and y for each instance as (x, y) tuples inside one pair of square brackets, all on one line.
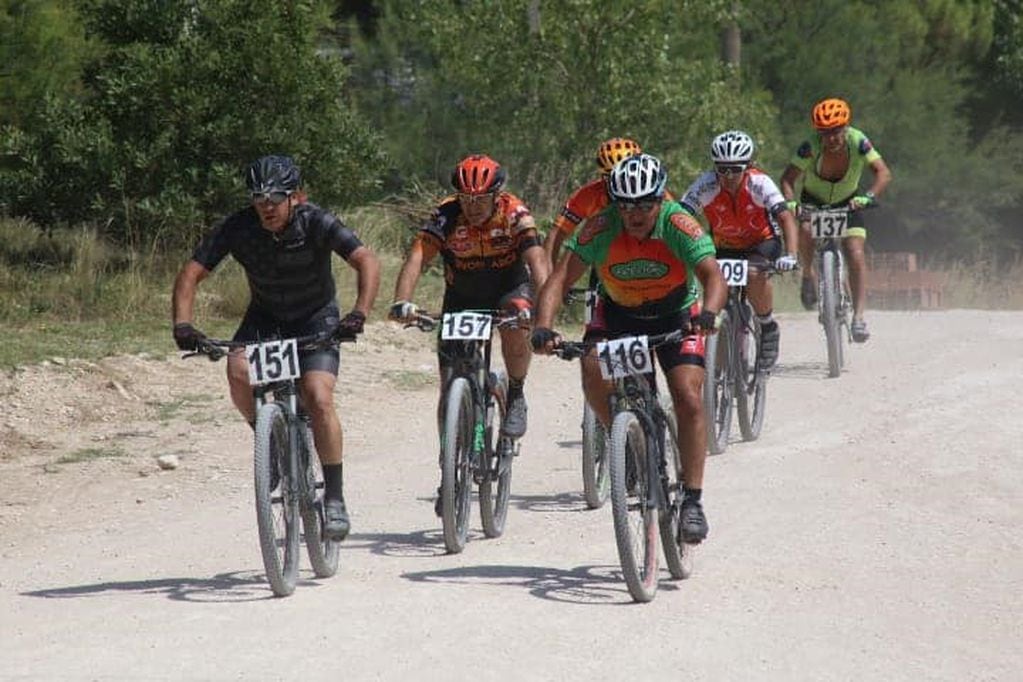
[(614, 150)]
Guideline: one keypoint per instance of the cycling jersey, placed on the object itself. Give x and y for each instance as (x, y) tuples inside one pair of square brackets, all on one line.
[(808, 160), (740, 221), (650, 277), (289, 273), (481, 259), (587, 201)]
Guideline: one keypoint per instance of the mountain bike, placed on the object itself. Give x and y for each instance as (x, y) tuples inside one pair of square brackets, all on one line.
[(644, 461), (828, 225), (596, 479), (472, 452), (287, 471), (734, 373)]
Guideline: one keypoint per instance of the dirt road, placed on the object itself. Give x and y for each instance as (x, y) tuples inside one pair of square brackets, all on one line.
[(872, 533)]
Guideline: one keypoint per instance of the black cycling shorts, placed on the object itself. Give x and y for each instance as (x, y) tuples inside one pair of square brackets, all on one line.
[(612, 321), (771, 249), (258, 325), (514, 301)]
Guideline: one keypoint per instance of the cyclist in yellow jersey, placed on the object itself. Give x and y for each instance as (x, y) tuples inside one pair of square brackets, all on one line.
[(648, 253), (833, 162)]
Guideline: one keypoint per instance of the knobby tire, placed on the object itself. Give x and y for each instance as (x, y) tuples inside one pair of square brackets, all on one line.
[(596, 480), (276, 517), (494, 494), (718, 386), (750, 384), (635, 521), (456, 477)]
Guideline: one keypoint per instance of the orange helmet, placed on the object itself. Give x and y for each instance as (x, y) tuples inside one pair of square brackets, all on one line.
[(614, 150), (478, 174), (830, 113)]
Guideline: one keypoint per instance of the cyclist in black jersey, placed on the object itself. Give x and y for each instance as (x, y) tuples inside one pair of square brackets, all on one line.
[(284, 244)]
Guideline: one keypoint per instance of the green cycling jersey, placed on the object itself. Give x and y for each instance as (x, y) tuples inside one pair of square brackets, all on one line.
[(808, 160)]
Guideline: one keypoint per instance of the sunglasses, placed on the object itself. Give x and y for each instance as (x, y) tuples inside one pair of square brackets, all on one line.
[(276, 198), (737, 169), (473, 199), (637, 205)]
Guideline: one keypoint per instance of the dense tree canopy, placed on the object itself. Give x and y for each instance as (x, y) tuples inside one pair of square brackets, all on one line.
[(139, 114)]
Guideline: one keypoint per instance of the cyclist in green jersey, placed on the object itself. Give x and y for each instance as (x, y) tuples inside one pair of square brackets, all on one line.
[(833, 162), (651, 257)]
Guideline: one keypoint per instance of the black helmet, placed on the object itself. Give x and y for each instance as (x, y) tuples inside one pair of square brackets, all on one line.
[(273, 174)]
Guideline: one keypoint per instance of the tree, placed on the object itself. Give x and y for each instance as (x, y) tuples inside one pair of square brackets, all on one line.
[(184, 96)]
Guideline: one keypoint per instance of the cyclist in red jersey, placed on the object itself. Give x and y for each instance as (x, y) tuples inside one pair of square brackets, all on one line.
[(493, 260), (591, 198), (743, 207), (649, 253)]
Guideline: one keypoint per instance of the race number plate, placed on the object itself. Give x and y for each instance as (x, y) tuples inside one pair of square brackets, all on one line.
[(465, 326), (272, 361), (828, 223), (624, 357), (735, 271)]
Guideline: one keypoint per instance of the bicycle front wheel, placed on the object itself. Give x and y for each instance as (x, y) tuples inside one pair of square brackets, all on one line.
[(635, 517), (276, 499), (830, 315), (750, 382), (678, 555), (323, 553), (495, 484), (596, 481), (717, 386), (456, 474)]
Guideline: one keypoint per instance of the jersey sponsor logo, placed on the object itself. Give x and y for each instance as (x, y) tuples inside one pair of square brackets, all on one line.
[(592, 228), (687, 224), (804, 151), (570, 216), (865, 146), (641, 268)]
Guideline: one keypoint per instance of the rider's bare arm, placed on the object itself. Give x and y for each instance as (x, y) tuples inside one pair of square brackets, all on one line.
[(367, 265), (536, 259), (569, 269), (715, 290), (185, 286), (788, 181), (552, 246), (882, 176), (410, 271)]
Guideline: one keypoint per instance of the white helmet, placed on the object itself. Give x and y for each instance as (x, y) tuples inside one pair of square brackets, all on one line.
[(734, 146), (637, 177)]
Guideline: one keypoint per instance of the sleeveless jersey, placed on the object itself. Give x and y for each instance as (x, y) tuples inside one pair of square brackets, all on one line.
[(808, 160)]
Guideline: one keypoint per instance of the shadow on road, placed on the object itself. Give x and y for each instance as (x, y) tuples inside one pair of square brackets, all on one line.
[(596, 585), (561, 502), (800, 370), (239, 586)]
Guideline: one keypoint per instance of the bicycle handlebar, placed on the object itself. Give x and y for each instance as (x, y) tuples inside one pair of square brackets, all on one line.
[(570, 350), (215, 349), (427, 322)]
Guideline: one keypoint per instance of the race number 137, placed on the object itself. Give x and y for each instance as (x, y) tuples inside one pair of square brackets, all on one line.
[(622, 357)]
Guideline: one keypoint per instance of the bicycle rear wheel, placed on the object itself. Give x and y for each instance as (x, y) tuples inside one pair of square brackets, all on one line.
[(717, 386), (323, 553), (635, 519), (596, 481), (456, 476), (830, 305), (276, 499), (495, 485), (750, 382), (678, 555)]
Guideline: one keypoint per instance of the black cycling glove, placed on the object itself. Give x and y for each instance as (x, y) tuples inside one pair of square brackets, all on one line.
[(187, 337), (351, 324), (541, 337), (705, 321)]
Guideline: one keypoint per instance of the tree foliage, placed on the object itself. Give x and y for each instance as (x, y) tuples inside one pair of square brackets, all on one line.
[(183, 96)]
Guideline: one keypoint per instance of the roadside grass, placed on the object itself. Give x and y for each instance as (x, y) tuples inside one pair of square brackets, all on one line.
[(65, 292), (89, 454)]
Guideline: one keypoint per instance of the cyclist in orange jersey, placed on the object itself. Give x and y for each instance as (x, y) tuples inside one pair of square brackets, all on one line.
[(648, 253)]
